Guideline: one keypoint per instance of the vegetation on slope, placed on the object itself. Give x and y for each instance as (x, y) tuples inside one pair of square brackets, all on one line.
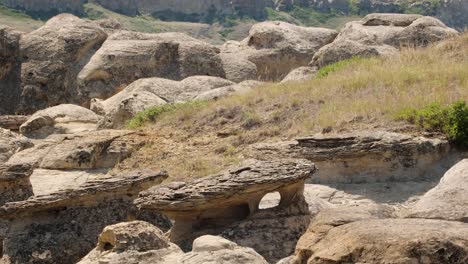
[(193, 140), (18, 20)]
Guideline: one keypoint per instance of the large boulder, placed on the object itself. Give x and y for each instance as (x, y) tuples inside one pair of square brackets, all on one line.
[(60, 119), (275, 48), (129, 56), (449, 199), (53, 55), (382, 35), (10, 70), (392, 241), (300, 74), (145, 93)]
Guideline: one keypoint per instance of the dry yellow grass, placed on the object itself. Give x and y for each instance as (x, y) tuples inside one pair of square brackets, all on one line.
[(199, 139)]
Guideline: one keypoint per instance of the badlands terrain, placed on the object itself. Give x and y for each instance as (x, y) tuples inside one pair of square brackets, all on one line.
[(292, 145)]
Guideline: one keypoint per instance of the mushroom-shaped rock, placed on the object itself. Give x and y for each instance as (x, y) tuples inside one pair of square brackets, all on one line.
[(10, 70), (448, 200), (382, 35), (366, 156), (129, 56), (66, 224), (60, 119), (53, 56)]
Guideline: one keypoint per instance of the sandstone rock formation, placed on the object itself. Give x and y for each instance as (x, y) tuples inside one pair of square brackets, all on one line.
[(367, 156), (41, 228), (239, 88), (392, 241), (14, 183), (60, 119), (53, 55), (129, 56), (145, 93), (271, 42), (382, 35), (10, 143), (300, 74), (12, 122), (222, 203), (449, 199), (141, 242), (10, 70)]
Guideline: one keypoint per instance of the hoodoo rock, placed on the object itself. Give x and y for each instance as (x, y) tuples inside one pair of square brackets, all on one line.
[(65, 225), (230, 201), (271, 42), (382, 35), (53, 55), (367, 156), (449, 199), (145, 93), (60, 119), (10, 70), (129, 56)]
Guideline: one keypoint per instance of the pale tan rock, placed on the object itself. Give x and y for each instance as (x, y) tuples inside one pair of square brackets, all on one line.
[(300, 74), (448, 200), (60, 119), (53, 56), (239, 88), (129, 56), (11, 143)]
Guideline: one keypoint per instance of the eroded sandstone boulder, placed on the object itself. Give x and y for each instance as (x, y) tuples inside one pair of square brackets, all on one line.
[(145, 93), (11, 143), (449, 199), (10, 70), (382, 35), (62, 227), (367, 156), (60, 119), (228, 204), (129, 56), (53, 55), (300, 74), (392, 241), (14, 183)]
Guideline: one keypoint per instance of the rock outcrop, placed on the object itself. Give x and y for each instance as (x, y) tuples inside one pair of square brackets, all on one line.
[(12, 122), (449, 199), (228, 204), (145, 93), (271, 42), (367, 156), (14, 183), (238, 88), (53, 55), (300, 74), (10, 70), (141, 242), (60, 119), (382, 35), (42, 227), (129, 56), (11, 143)]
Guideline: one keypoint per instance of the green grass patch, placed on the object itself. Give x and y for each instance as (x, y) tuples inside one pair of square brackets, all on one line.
[(451, 120), (337, 66), (153, 113)]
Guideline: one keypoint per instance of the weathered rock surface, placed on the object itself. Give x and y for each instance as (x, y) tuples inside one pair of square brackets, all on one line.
[(392, 241), (10, 143), (367, 156), (145, 93), (382, 35), (14, 183), (271, 42), (60, 119), (300, 74), (12, 122), (449, 199), (228, 204), (239, 88), (129, 56), (53, 55), (10, 70), (85, 150), (41, 228)]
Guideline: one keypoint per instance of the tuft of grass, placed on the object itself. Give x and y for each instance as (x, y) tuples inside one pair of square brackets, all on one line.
[(451, 120), (324, 71)]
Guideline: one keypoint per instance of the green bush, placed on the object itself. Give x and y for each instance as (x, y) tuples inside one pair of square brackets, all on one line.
[(152, 113), (451, 120)]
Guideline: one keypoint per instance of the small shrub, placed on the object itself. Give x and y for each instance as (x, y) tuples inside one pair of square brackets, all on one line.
[(451, 120)]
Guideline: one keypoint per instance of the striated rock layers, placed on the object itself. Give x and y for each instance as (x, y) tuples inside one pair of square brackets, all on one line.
[(228, 204)]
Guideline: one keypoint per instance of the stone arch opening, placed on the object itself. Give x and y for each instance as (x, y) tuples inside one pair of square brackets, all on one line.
[(270, 200)]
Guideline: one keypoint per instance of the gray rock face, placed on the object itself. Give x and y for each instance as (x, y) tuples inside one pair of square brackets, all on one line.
[(60, 119), (14, 183), (129, 56), (449, 199), (367, 156), (53, 55), (10, 70), (382, 35), (42, 227)]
